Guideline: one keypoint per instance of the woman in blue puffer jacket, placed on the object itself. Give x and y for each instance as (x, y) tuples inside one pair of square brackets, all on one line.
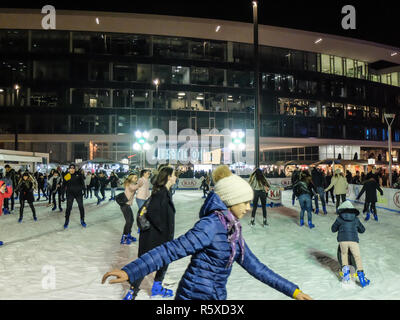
[(215, 242)]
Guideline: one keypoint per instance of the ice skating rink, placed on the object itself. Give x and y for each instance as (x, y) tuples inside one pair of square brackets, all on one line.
[(40, 260)]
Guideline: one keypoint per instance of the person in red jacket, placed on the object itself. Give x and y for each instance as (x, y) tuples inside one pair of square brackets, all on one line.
[(5, 193)]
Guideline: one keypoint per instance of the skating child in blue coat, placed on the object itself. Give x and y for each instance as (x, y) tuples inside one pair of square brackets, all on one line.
[(214, 243)]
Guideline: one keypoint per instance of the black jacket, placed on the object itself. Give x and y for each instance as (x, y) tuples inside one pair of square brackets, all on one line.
[(301, 187), (161, 215), (12, 176), (370, 187), (113, 180), (73, 183), (103, 182), (318, 179), (25, 189)]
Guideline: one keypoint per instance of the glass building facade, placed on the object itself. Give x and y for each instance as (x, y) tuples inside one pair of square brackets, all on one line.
[(93, 83)]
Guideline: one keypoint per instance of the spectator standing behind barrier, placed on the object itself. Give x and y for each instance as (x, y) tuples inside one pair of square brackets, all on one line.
[(341, 186)]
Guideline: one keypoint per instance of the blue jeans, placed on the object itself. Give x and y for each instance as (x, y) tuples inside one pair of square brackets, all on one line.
[(140, 202), (113, 192), (321, 193), (96, 194), (305, 204)]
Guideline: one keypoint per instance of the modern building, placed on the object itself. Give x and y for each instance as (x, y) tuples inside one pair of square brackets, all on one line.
[(81, 90)]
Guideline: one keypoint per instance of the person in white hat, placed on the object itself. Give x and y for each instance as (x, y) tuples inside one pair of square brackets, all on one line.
[(214, 243)]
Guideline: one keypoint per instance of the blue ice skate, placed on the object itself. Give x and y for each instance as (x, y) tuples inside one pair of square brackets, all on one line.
[(317, 211), (301, 222), (368, 216), (131, 294), (83, 224), (158, 289), (125, 240), (310, 224), (324, 209), (1, 243), (20, 220), (6, 211), (130, 237), (375, 217), (346, 274), (363, 280), (66, 225)]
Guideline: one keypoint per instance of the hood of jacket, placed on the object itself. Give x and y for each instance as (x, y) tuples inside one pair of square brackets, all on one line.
[(348, 214), (2, 182), (211, 204)]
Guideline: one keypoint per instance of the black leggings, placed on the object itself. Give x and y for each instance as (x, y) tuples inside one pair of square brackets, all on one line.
[(370, 206), (22, 206), (128, 215), (338, 196), (53, 196), (262, 195), (70, 200)]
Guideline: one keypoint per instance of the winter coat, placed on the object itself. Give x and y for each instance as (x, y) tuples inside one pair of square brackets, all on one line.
[(53, 182), (88, 180), (113, 180), (318, 179), (7, 194), (25, 189), (13, 177), (161, 215), (207, 274), (370, 187), (340, 184), (301, 187), (73, 183), (348, 225), (103, 182)]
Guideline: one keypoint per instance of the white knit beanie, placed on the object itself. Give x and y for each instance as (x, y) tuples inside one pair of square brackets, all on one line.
[(231, 188), (346, 205)]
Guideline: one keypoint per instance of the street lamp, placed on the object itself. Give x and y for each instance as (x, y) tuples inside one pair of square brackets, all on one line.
[(156, 83), (142, 145), (257, 91), (389, 120)]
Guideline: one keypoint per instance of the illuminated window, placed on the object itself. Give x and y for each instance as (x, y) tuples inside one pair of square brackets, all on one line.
[(325, 63), (338, 63)]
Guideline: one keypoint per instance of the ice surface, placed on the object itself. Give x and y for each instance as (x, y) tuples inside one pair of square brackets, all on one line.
[(81, 256)]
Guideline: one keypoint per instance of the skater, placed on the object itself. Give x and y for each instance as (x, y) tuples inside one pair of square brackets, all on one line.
[(260, 186), (103, 183), (73, 185), (348, 226), (25, 188), (41, 184), (125, 200), (6, 191), (161, 215), (88, 180), (214, 243), (328, 180), (55, 189), (294, 179), (12, 177), (318, 180), (143, 192), (341, 186), (370, 187), (95, 184), (304, 190), (113, 181), (205, 186)]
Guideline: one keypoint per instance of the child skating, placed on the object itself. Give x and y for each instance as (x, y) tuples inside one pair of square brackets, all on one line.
[(214, 243), (348, 226)]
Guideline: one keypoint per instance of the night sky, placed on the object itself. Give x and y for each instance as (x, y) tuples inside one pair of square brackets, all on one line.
[(377, 22)]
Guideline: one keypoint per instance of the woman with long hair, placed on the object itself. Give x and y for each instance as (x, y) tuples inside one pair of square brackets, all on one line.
[(161, 215), (259, 183), (340, 185), (26, 186), (125, 200), (304, 191)]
